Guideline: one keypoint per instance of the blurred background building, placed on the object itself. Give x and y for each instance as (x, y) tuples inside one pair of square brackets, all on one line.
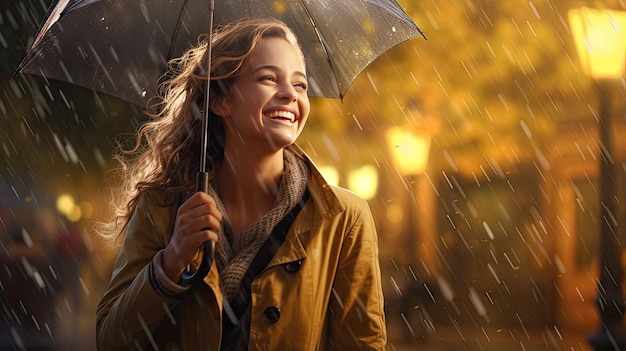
[(481, 152)]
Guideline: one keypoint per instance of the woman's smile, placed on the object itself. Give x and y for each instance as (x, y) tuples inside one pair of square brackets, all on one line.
[(282, 116)]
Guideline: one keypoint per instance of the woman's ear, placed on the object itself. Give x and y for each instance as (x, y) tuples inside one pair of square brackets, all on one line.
[(219, 105)]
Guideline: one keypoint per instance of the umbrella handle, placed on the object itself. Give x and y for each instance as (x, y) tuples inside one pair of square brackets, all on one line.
[(202, 178), (208, 247)]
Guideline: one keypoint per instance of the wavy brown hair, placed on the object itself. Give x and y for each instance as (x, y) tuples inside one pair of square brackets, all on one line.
[(165, 157)]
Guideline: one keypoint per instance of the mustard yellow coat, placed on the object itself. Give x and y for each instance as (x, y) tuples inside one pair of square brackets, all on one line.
[(333, 301)]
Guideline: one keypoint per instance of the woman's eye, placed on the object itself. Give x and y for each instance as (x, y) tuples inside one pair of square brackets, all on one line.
[(302, 86), (270, 78)]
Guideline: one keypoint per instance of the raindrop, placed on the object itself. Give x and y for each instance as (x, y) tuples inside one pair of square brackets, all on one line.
[(97, 154), (27, 238), (357, 122), (543, 160), (371, 80), (169, 314), (395, 286), (534, 9), (531, 29), (334, 153), (517, 27), (47, 327), (12, 20), (488, 230), (53, 272), (3, 42), (513, 266), (580, 294), (493, 272), (477, 303), (60, 148), (16, 89), (408, 325), (71, 153), (445, 288), (17, 339), (27, 267), (430, 293), (446, 155), (39, 280), (67, 104), (84, 286)]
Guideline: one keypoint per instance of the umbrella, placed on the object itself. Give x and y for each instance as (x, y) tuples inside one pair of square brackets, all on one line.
[(121, 48)]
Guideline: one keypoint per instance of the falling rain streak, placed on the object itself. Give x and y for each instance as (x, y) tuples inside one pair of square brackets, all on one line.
[(493, 245)]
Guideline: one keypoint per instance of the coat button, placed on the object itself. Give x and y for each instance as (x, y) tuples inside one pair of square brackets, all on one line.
[(294, 266), (271, 315)]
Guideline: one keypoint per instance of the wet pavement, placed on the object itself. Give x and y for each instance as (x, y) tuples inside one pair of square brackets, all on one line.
[(470, 339), (76, 331), (442, 340)]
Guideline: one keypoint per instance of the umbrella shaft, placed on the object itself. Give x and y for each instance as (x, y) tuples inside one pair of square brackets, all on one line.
[(205, 117)]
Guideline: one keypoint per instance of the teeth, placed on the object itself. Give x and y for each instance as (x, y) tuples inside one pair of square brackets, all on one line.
[(282, 114)]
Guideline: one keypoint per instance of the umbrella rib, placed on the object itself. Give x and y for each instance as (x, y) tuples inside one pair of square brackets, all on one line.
[(52, 11), (170, 54), (321, 39)]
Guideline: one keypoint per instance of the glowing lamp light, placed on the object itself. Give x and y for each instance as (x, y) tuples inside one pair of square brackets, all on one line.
[(600, 37), (330, 174), (364, 181), (66, 205), (409, 150)]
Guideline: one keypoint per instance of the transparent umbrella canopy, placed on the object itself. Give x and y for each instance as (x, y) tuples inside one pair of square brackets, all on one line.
[(122, 48)]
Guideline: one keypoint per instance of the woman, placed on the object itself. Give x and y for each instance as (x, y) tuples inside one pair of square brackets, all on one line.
[(321, 289)]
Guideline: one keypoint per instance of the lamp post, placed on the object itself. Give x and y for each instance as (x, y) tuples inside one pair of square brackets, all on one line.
[(600, 37), (409, 151)]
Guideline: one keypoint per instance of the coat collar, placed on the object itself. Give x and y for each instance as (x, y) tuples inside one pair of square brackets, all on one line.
[(321, 192)]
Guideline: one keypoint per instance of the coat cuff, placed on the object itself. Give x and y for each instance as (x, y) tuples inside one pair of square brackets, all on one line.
[(159, 280)]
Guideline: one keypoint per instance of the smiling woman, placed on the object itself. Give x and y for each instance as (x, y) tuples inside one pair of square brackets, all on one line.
[(290, 249), (265, 109)]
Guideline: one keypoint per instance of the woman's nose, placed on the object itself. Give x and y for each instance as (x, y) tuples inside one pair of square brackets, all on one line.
[(287, 92)]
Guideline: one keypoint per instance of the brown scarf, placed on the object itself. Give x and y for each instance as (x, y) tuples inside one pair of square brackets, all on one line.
[(233, 261)]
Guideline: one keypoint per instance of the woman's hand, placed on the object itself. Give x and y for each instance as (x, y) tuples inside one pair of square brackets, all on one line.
[(197, 220)]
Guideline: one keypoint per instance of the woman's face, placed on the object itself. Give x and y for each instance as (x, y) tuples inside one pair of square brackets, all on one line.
[(267, 106)]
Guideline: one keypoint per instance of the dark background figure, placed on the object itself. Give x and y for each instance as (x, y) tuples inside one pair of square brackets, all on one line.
[(28, 279)]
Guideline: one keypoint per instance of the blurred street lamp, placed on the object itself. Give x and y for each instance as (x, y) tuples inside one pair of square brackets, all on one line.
[(331, 174), (364, 181), (67, 206), (600, 37), (409, 151)]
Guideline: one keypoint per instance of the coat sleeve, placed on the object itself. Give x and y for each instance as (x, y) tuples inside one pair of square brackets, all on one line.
[(131, 308), (357, 320)]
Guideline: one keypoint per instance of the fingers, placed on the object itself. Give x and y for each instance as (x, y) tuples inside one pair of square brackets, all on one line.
[(197, 221), (198, 213), (201, 200), (195, 239)]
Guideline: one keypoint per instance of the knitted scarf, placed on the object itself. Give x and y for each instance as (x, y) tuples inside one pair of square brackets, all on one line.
[(233, 260)]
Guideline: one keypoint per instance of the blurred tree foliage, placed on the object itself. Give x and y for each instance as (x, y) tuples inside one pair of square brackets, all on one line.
[(491, 84)]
